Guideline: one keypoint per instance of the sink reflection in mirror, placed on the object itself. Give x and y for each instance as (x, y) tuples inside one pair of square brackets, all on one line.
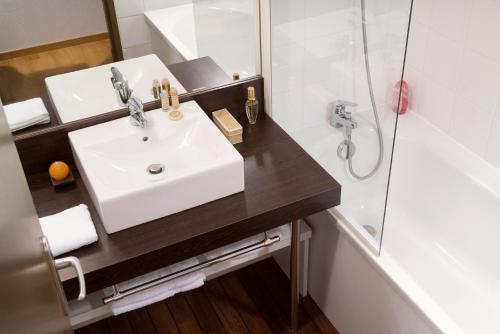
[(89, 92), (136, 175)]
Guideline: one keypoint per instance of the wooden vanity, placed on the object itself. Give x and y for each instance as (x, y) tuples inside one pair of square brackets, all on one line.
[(282, 184)]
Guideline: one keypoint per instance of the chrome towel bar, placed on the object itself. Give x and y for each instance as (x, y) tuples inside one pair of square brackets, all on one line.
[(117, 294)]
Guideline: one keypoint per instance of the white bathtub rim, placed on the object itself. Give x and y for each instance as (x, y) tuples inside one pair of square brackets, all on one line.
[(168, 35), (426, 308)]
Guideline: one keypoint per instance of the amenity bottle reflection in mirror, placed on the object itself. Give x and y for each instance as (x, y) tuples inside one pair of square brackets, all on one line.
[(61, 73)]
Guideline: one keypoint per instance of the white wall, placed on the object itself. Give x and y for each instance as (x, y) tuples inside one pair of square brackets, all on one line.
[(29, 23), (453, 69), (135, 34)]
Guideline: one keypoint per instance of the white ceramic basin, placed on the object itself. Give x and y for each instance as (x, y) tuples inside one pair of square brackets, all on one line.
[(89, 92), (113, 158)]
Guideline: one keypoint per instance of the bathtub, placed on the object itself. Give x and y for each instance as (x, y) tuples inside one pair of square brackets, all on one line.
[(191, 31), (439, 254)]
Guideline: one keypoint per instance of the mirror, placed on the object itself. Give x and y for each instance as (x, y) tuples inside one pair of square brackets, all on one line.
[(56, 55)]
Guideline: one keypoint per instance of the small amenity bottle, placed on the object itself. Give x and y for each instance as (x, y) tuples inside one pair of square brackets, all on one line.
[(165, 100), (252, 106), (175, 114), (156, 89)]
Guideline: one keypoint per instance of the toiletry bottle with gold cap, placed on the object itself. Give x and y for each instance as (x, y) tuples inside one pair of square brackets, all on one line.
[(175, 114), (165, 85), (252, 106)]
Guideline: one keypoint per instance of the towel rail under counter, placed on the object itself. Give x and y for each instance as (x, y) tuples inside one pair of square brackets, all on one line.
[(92, 309), (117, 294)]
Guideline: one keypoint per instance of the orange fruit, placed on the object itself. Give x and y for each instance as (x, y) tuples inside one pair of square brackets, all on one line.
[(58, 170)]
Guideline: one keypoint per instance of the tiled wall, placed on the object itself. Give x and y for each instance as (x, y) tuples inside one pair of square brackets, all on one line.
[(134, 31), (453, 68), (317, 57)]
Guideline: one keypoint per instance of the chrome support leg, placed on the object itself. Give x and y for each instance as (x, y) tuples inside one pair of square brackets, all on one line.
[(294, 274)]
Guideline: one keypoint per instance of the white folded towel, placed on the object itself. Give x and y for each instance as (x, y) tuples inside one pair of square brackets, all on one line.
[(69, 229), (160, 292), (23, 114)]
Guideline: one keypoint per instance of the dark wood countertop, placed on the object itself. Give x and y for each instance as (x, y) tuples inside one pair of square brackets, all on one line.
[(282, 183), (200, 73)]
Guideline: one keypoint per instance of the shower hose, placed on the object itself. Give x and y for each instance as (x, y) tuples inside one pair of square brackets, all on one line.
[(374, 107)]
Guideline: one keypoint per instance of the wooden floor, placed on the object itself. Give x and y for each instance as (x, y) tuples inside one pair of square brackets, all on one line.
[(23, 77), (254, 299)]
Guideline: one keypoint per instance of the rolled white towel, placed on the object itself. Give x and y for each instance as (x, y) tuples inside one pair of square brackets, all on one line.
[(131, 283), (23, 114), (160, 292), (69, 229)]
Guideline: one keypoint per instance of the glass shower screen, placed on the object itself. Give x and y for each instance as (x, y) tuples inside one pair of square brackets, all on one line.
[(336, 71)]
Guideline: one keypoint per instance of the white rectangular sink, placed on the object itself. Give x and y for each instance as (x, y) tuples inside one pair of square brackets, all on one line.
[(81, 94), (200, 165)]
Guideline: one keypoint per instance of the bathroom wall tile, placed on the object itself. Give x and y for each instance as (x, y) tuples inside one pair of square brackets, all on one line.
[(441, 60), (287, 33), (320, 7), (417, 45), (126, 8), (137, 51), (471, 125), (435, 103), (422, 11), (329, 22), (288, 67), (484, 28), (321, 54), (287, 109), (317, 97), (479, 80), (287, 21), (134, 31), (450, 18), (462, 64), (286, 11)]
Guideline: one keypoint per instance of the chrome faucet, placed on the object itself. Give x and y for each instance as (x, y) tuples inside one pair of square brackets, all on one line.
[(120, 84), (137, 115), (341, 116), (125, 99)]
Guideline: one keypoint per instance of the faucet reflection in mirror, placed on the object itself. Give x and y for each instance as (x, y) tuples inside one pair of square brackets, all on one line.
[(120, 84), (125, 99)]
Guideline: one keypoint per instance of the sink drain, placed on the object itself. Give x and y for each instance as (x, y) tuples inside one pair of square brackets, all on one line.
[(155, 169)]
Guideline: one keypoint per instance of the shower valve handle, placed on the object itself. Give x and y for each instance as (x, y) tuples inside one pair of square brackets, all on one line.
[(345, 103), (340, 116)]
